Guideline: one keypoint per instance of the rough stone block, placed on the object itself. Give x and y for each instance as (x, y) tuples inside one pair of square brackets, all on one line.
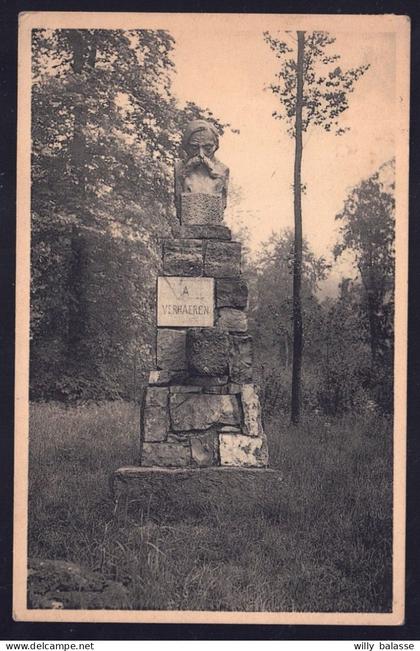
[(239, 450), (174, 494), (219, 390), (170, 349), (209, 381), (175, 455), (184, 388), (61, 585), (183, 258), (233, 387), (179, 437), (204, 449), (155, 416), (202, 411), (159, 378), (240, 359), (200, 208), (204, 232), (156, 397), (155, 424), (207, 351), (163, 378), (231, 292), (251, 410), (232, 320), (222, 259)]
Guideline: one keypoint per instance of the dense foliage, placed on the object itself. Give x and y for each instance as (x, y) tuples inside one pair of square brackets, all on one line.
[(105, 133), (367, 231), (348, 339)]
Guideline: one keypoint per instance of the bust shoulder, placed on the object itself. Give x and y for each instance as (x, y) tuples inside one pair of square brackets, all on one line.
[(221, 169)]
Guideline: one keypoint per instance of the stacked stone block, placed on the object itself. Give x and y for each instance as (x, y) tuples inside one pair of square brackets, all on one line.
[(200, 408)]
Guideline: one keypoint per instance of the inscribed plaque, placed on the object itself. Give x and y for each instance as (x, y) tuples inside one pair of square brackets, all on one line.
[(185, 301)]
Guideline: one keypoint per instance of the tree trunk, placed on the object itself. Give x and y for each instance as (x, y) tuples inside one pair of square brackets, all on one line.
[(373, 302), (297, 259)]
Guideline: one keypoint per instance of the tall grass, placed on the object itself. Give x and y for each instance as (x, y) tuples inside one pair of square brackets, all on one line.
[(326, 546)]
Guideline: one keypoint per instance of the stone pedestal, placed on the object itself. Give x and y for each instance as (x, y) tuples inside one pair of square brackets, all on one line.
[(200, 408), (201, 415)]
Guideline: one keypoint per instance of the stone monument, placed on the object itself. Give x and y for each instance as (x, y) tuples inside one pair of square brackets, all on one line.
[(200, 409)]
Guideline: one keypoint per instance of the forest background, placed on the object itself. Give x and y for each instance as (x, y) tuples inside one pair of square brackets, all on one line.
[(106, 131), (106, 127)]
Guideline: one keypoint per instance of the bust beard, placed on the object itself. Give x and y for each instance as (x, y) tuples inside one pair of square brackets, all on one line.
[(197, 161)]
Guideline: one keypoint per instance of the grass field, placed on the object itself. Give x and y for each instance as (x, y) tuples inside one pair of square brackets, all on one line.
[(325, 547)]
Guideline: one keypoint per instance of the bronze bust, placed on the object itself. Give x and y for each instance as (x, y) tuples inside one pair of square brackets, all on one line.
[(200, 172)]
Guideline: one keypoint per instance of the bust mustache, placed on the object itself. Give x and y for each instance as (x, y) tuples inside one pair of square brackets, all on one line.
[(202, 160)]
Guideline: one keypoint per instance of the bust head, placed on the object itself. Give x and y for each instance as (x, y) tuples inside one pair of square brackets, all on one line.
[(200, 139), (200, 172)]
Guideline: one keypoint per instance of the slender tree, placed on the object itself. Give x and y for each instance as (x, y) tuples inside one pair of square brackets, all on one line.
[(312, 92)]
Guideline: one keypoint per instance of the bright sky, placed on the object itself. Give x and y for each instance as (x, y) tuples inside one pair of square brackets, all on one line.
[(227, 70)]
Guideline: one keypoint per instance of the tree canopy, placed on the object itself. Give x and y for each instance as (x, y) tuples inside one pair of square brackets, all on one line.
[(367, 231), (325, 85), (105, 132)]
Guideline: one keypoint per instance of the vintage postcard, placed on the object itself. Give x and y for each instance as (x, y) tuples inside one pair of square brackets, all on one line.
[(211, 318)]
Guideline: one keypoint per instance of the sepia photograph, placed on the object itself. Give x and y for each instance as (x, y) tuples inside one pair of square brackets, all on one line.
[(211, 318)]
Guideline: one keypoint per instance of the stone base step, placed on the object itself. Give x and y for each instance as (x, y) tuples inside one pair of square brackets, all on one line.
[(181, 493)]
